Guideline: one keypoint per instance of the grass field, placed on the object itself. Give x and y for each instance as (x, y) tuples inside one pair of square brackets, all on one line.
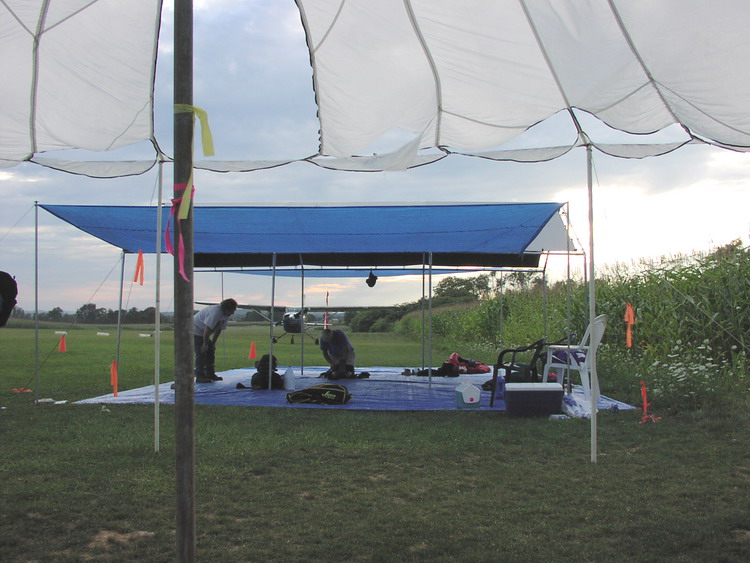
[(83, 483)]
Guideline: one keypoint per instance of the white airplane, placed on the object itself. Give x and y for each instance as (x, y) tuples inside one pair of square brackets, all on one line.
[(294, 321)]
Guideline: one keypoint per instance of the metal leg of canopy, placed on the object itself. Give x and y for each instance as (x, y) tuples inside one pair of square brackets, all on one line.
[(302, 304), (270, 332), (592, 304), (37, 360), (429, 315), (119, 310), (157, 311)]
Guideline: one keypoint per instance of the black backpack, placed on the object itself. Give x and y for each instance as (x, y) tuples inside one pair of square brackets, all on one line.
[(323, 394), (8, 294), (259, 380)]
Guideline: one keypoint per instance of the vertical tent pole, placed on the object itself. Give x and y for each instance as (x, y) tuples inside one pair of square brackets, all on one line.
[(183, 289), (423, 308), (429, 356), (119, 308), (568, 292), (273, 301), (545, 298), (302, 303), (37, 366), (502, 301), (594, 380), (223, 340), (157, 312)]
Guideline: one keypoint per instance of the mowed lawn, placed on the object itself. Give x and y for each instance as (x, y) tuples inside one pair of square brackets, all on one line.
[(83, 482)]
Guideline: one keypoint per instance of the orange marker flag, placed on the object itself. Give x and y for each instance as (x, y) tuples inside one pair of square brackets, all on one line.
[(139, 269), (113, 376), (644, 397), (630, 319), (325, 317), (253, 353), (63, 347)]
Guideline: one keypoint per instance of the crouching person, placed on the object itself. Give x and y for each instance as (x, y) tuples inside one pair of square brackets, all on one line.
[(339, 353)]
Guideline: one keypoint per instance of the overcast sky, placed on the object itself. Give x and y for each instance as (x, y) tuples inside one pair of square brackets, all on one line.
[(253, 77)]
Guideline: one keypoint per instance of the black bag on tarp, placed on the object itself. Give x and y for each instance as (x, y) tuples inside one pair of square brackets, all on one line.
[(323, 394), (260, 381)]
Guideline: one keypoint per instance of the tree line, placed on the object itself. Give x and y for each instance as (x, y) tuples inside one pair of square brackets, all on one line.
[(89, 313)]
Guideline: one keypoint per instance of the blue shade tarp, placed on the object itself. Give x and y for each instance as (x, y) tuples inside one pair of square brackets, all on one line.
[(487, 235)]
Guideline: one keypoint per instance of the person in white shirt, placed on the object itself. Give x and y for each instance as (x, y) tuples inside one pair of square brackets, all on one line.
[(207, 326)]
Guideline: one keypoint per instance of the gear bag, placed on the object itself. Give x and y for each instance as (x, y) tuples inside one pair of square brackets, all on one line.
[(322, 394)]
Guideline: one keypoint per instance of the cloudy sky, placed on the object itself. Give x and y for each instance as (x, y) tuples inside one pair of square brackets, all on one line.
[(253, 77)]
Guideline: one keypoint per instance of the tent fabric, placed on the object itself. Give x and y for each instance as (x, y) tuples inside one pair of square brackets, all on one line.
[(78, 74), (470, 78), (488, 235), (393, 78)]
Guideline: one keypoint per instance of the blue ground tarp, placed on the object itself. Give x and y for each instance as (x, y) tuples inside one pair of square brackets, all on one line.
[(385, 390)]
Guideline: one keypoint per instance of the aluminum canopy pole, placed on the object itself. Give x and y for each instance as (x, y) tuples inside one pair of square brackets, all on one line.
[(429, 357), (157, 312), (568, 290), (501, 297), (273, 302), (423, 308), (37, 363), (545, 297), (594, 383), (119, 309), (183, 289), (302, 304)]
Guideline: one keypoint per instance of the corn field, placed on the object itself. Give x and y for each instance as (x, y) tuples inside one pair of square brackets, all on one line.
[(690, 337)]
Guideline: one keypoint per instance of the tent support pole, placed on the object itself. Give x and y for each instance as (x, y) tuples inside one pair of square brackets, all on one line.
[(423, 308), (37, 363), (429, 354), (157, 311), (302, 304), (568, 292), (545, 299), (223, 340), (183, 289), (119, 309), (501, 297), (594, 380), (270, 335)]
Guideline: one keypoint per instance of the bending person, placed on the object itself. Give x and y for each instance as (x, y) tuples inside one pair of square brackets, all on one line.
[(207, 326), (338, 352)]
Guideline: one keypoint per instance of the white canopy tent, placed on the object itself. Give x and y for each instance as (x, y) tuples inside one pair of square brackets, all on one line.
[(408, 80), (484, 80)]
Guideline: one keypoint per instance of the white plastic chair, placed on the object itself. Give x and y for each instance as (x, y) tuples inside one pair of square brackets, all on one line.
[(581, 361)]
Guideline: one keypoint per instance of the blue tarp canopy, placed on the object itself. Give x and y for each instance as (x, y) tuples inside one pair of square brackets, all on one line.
[(486, 235)]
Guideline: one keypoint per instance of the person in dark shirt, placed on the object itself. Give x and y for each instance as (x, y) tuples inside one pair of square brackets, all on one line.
[(338, 352)]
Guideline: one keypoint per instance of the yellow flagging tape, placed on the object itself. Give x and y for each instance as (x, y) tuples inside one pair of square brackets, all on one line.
[(208, 150), (206, 137), (184, 210)]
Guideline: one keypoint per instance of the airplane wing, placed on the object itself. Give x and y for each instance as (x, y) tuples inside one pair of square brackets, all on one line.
[(308, 309)]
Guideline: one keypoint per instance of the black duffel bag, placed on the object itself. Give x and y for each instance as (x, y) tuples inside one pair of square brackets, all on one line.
[(322, 394)]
